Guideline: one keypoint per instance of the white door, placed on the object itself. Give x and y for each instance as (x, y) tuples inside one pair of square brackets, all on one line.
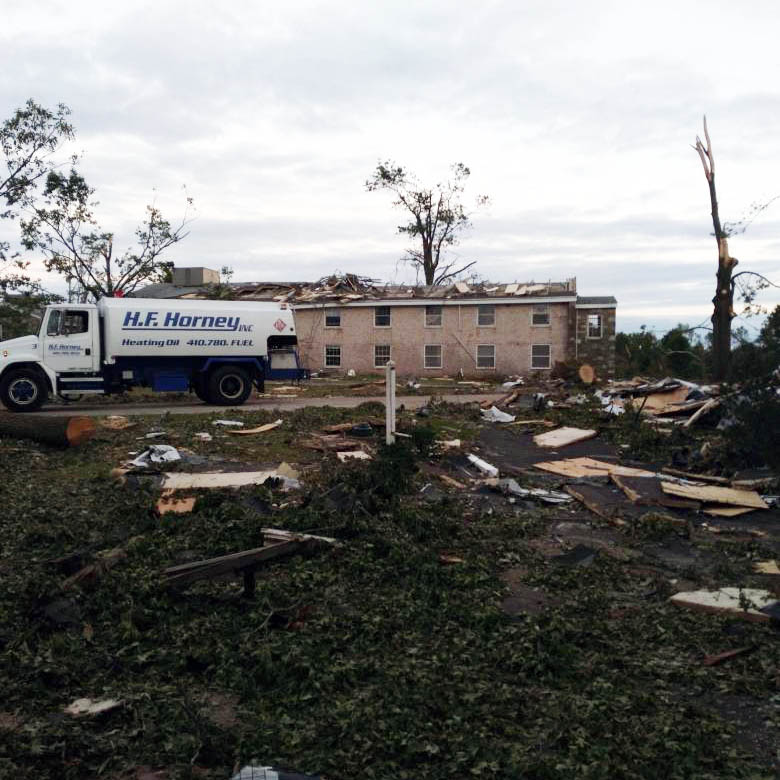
[(68, 343)]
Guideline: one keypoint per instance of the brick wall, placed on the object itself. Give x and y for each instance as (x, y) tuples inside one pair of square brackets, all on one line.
[(597, 351), (458, 336)]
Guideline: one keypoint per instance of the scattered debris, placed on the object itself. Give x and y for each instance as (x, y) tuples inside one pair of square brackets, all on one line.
[(169, 504), (116, 422), (104, 561), (154, 435), (640, 490), (695, 477), (228, 423), (588, 467), (517, 382), (727, 655), (203, 436), (269, 773), (447, 480), (600, 500), (448, 445), (548, 496), (538, 421), (716, 495), (587, 374), (766, 567), (352, 455), (259, 429), (157, 453), (496, 415), (562, 437), (483, 466), (581, 555), (747, 603), (90, 707), (450, 560), (223, 479)]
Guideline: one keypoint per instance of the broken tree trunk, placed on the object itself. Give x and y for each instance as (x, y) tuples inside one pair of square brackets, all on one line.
[(723, 311), (59, 431)]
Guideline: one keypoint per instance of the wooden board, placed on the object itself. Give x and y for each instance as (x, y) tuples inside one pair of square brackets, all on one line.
[(716, 495), (588, 467), (259, 429), (213, 567), (731, 601), (696, 477), (657, 401), (562, 437), (647, 492), (728, 511), (215, 479)]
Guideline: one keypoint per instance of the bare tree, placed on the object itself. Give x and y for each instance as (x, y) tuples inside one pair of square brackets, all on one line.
[(750, 282), (438, 217)]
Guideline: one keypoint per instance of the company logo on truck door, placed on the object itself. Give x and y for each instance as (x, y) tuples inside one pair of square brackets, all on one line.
[(174, 320)]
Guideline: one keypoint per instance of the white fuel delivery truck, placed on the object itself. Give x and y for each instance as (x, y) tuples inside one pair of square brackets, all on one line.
[(217, 349)]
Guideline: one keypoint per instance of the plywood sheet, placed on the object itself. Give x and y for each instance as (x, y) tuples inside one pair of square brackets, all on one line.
[(716, 495), (588, 467), (562, 437), (215, 479)]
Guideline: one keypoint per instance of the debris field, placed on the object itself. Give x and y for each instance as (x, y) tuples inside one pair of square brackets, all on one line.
[(557, 584)]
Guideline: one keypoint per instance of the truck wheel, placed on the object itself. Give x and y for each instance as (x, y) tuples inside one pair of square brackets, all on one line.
[(23, 390), (199, 388), (229, 385)]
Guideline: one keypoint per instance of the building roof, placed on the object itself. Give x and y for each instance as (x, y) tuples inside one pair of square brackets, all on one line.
[(349, 288)]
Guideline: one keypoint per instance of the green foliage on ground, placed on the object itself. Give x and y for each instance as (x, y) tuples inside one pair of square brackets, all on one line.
[(372, 660)]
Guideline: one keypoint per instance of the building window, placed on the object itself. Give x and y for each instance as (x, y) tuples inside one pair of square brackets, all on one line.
[(486, 355), (382, 317), (540, 356), (381, 355), (332, 356), (433, 316), (333, 318), (486, 315), (594, 326), (433, 355), (541, 315)]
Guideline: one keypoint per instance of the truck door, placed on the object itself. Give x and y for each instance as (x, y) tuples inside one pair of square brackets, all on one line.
[(68, 341)]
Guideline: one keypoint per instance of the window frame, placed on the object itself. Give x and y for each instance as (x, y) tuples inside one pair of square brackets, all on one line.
[(546, 312), (601, 326), (425, 357), (549, 358), (332, 313), (476, 358), (389, 355), (389, 316), (325, 356), (426, 314), (480, 308)]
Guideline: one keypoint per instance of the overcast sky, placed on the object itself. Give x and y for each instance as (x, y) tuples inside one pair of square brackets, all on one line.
[(575, 118)]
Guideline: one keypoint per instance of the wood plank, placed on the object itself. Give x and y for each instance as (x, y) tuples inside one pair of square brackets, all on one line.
[(214, 479), (716, 495), (563, 437), (696, 477), (214, 567), (747, 603), (281, 535), (259, 429), (728, 511)]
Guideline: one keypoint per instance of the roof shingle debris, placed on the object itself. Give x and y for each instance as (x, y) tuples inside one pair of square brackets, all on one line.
[(344, 288)]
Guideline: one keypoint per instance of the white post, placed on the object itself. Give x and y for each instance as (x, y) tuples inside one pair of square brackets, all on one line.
[(390, 402)]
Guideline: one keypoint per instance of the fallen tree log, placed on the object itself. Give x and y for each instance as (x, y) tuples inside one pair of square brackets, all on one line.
[(59, 431)]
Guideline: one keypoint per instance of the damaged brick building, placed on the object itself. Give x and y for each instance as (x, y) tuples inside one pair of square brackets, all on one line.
[(480, 330)]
